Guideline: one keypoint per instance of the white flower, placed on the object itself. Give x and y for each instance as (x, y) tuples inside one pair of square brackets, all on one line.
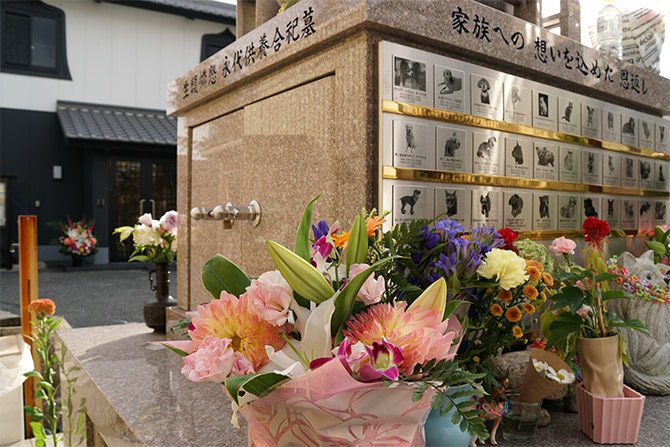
[(540, 366), (144, 235), (563, 376)]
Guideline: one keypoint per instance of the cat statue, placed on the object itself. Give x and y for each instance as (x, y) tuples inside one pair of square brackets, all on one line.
[(648, 356)]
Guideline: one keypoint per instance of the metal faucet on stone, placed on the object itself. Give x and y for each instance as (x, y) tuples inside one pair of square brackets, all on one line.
[(229, 214)]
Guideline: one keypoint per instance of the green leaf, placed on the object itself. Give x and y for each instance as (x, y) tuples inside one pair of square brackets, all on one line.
[(81, 424), (344, 302), (570, 296), (636, 325), (220, 274), (450, 307), (257, 384), (177, 351), (38, 431), (658, 248), (140, 258), (302, 244), (41, 394), (357, 246), (46, 385), (34, 413), (34, 374), (605, 276), (612, 295)]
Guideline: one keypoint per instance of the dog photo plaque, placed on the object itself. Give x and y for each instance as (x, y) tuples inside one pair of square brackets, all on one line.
[(629, 172), (453, 150), (611, 169), (568, 115), (628, 130), (660, 212), (661, 176), (612, 212), (410, 145), (487, 153), (486, 207), (518, 104), (544, 110), (591, 207), (611, 126), (518, 157), (545, 211), (410, 202), (591, 121), (546, 161), (486, 95), (646, 134), (646, 221), (629, 208), (569, 164), (569, 212), (591, 167), (517, 210), (409, 81), (646, 173), (662, 138), (453, 202), (450, 89)]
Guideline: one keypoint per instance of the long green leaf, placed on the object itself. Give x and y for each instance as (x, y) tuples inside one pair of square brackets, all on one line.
[(612, 295), (631, 324), (344, 302), (658, 248), (302, 245), (257, 384), (219, 274), (357, 246), (303, 278), (177, 351)]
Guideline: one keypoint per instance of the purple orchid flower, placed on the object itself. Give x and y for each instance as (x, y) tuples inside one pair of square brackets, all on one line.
[(321, 229), (384, 360)]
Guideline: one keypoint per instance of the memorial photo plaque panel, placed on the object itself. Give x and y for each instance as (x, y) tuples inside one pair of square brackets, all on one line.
[(517, 206)]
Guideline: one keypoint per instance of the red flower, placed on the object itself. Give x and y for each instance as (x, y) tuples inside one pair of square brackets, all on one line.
[(595, 231), (509, 236)]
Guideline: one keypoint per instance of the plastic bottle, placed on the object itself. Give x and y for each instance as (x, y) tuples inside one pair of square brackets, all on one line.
[(609, 30)]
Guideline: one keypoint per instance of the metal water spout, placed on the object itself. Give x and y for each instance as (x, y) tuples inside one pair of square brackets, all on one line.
[(229, 214)]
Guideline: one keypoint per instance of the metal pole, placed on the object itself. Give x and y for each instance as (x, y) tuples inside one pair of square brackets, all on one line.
[(28, 288)]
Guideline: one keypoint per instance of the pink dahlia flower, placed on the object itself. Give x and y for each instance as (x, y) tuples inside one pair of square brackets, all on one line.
[(269, 297)]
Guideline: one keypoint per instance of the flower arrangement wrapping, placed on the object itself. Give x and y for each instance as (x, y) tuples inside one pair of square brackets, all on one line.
[(77, 238), (153, 240)]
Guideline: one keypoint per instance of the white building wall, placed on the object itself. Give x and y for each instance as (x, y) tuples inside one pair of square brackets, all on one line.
[(117, 55)]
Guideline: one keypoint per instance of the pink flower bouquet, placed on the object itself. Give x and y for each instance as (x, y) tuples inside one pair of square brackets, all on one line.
[(314, 353)]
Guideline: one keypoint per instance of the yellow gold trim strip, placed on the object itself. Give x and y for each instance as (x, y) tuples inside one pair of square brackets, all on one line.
[(477, 121), (393, 173)]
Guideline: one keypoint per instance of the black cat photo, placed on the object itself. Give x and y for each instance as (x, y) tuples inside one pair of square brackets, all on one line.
[(451, 201)]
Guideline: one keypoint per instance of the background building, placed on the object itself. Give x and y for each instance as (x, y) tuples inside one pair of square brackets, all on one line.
[(83, 129)]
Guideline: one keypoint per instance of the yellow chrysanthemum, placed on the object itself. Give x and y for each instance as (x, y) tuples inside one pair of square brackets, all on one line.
[(548, 279), (513, 314), (533, 273), (504, 266), (528, 308), (517, 332), (496, 310), (534, 263), (505, 295), (530, 292)]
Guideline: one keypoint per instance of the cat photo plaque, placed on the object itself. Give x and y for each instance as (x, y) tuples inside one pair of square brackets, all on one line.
[(517, 210), (591, 207), (569, 212), (646, 220), (660, 212), (487, 153), (629, 208), (629, 172), (410, 202), (453, 150), (569, 162), (518, 157), (453, 202), (486, 93), (545, 211), (450, 90), (568, 115), (544, 110), (591, 121), (646, 134), (646, 173), (518, 105), (611, 126), (611, 211), (546, 161), (591, 167), (628, 130), (611, 169), (486, 207), (410, 145), (661, 175), (662, 137), (409, 81)]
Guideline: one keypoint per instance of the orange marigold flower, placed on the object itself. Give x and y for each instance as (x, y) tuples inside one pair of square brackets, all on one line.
[(548, 279), (371, 224), (513, 314), (528, 308), (533, 273), (496, 310), (517, 332), (341, 240), (530, 292), (543, 297), (475, 358), (534, 263), (44, 306), (505, 295)]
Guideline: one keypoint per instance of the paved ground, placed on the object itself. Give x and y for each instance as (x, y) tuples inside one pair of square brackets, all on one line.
[(88, 297)]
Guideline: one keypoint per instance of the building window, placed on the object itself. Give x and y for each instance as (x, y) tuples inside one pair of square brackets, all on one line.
[(212, 43), (33, 39)]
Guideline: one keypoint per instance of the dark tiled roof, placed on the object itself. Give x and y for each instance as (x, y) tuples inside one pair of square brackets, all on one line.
[(81, 121), (196, 9)]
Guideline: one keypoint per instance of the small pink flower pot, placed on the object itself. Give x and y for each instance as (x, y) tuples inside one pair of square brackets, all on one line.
[(610, 420)]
